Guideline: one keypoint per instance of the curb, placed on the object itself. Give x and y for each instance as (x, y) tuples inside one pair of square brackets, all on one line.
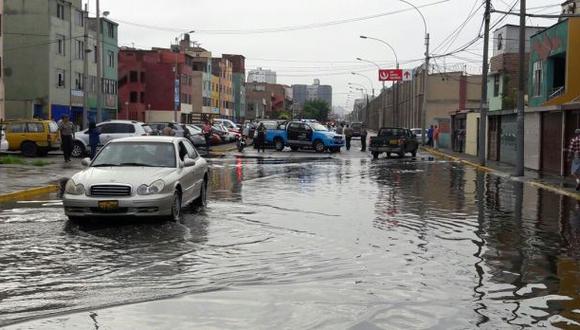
[(28, 193), (533, 183)]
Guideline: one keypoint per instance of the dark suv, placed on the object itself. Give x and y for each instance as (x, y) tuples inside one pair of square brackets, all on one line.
[(393, 140)]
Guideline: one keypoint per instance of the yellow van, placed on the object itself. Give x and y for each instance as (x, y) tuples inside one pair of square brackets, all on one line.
[(32, 137)]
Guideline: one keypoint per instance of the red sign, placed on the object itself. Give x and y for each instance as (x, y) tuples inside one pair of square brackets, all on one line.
[(391, 75)]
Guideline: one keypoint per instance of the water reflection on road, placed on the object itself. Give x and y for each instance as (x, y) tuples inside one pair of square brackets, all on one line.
[(351, 242)]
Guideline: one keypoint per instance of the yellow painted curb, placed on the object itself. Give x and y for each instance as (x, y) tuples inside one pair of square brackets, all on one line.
[(555, 189), (28, 193)]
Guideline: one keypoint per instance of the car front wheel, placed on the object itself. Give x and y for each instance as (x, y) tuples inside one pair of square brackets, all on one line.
[(375, 155), (175, 207), (29, 149), (319, 146), (279, 144), (201, 201)]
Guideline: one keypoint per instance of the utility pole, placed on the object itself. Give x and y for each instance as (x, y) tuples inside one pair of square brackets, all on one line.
[(86, 68), (99, 66), (426, 76), (483, 105), (521, 93)]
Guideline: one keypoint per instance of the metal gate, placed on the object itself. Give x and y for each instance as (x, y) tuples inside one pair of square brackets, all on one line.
[(493, 138), (552, 142), (508, 140)]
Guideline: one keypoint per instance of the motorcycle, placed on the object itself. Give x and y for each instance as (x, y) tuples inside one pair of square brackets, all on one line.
[(240, 143)]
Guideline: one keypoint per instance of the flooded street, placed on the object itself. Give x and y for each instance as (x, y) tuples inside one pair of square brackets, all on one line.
[(337, 243)]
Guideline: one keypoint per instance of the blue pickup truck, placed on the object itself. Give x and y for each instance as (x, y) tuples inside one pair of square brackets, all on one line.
[(305, 135)]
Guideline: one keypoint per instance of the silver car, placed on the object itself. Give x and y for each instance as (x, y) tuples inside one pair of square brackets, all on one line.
[(139, 176)]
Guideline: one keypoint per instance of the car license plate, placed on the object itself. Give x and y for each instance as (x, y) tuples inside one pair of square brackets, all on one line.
[(394, 142), (108, 205)]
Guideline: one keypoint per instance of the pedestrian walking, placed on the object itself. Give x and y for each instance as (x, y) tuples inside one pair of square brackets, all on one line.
[(363, 138), (94, 138), (574, 156), (67, 133), (348, 136), (340, 129), (430, 132), (207, 130), (460, 140), (436, 134), (261, 140)]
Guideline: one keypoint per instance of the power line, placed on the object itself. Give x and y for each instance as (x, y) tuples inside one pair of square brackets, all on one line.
[(285, 28)]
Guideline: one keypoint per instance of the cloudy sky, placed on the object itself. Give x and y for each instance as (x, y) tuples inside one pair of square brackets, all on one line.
[(306, 39)]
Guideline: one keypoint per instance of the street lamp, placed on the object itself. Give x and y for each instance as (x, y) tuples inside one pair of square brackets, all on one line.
[(384, 43), (426, 76), (177, 87), (367, 78)]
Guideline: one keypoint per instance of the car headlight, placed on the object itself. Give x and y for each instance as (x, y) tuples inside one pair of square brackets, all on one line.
[(154, 188), (72, 188)]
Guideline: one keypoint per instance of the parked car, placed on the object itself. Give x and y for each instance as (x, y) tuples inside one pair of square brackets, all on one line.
[(302, 135), (151, 176), (224, 133), (3, 142), (230, 125), (356, 129), (180, 129), (32, 137), (394, 140), (417, 132), (110, 130), (196, 136)]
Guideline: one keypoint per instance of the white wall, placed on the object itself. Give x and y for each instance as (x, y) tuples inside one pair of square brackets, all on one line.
[(471, 134)]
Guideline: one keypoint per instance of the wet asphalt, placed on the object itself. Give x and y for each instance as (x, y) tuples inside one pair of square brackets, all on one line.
[(343, 243)]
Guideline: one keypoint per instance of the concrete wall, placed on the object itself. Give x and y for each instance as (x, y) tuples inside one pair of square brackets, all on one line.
[(472, 130), (2, 115), (532, 142), (161, 116)]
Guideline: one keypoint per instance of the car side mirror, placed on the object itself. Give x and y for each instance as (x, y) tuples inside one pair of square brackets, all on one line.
[(188, 162), (86, 162)]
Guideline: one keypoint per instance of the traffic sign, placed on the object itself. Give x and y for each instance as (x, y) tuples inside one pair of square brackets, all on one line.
[(391, 75), (407, 75)]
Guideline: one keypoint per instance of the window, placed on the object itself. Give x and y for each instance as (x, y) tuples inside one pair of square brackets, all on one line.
[(143, 77), (133, 97), (496, 83), (79, 81), (190, 150), (35, 127), (79, 49), (133, 76), (538, 78), (117, 128), (17, 128), (79, 18), (60, 10), (60, 81), (142, 97), (60, 45), (499, 41), (111, 30), (111, 58)]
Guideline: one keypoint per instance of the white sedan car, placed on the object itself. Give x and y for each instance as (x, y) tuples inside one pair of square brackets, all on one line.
[(138, 177)]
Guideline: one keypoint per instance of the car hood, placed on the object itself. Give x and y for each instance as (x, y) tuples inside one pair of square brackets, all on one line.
[(134, 176)]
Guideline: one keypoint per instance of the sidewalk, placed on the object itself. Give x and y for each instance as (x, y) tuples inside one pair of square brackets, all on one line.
[(23, 181), (564, 186)]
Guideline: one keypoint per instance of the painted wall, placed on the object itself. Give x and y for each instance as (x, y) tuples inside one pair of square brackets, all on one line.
[(472, 130), (556, 40), (495, 102), (2, 114), (532, 142)]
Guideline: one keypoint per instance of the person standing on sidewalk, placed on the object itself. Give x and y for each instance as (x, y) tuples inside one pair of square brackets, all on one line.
[(436, 134), (94, 138), (261, 140), (348, 136), (430, 136), (207, 134), (363, 138), (574, 155), (67, 134), (340, 129)]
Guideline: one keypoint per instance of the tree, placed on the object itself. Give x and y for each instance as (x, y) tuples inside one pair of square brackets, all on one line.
[(316, 109)]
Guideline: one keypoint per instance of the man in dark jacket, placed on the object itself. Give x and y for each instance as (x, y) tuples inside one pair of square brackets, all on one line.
[(363, 138)]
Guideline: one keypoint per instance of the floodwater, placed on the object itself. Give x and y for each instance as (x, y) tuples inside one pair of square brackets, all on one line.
[(347, 243)]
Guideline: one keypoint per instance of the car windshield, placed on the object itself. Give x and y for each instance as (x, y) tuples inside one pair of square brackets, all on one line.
[(356, 125), (194, 129), (318, 127), (149, 154), (392, 132)]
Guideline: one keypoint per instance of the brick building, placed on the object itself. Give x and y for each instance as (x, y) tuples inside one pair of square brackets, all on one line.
[(265, 101)]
